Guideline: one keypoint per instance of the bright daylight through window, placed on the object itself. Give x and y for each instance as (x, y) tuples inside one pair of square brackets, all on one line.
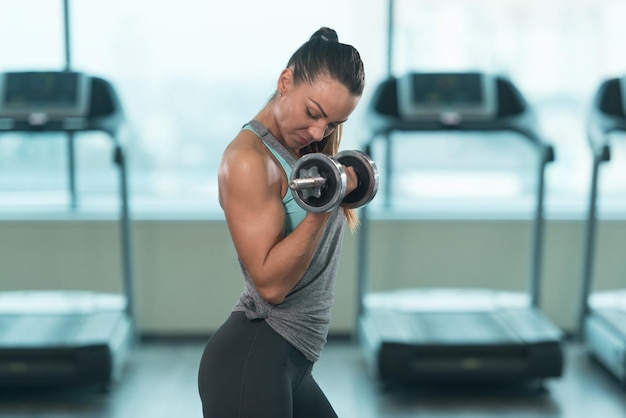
[(188, 79)]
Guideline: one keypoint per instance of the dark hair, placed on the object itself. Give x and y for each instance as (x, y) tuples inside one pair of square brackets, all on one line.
[(322, 55)]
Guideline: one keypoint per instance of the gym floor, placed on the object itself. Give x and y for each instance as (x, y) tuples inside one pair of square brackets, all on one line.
[(160, 381)]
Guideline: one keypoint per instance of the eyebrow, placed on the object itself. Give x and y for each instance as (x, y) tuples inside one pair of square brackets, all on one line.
[(321, 109)]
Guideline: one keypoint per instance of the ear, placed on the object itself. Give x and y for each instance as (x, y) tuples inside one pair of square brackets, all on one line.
[(285, 81)]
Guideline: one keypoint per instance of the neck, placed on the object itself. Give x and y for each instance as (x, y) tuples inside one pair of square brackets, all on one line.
[(266, 117)]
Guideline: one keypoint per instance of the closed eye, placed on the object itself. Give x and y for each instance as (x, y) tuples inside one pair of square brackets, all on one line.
[(310, 115)]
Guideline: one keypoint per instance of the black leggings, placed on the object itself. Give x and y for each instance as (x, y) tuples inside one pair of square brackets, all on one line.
[(248, 370)]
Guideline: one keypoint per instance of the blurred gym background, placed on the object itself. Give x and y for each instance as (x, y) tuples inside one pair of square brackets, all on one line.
[(189, 73)]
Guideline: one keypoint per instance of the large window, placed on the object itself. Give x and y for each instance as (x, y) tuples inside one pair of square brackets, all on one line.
[(556, 53), (191, 72)]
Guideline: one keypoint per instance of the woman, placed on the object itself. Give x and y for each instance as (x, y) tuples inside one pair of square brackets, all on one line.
[(258, 363)]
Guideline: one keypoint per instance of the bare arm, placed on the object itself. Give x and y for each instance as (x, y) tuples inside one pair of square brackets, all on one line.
[(251, 188)]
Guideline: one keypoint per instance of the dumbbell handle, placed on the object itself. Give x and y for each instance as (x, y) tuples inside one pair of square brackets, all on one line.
[(307, 183)]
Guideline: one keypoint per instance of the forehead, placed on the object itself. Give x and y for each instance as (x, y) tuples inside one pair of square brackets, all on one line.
[(333, 97)]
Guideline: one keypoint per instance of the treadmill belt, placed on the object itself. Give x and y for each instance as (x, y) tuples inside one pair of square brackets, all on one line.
[(425, 328), (503, 327), (451, 327), (616, 318)]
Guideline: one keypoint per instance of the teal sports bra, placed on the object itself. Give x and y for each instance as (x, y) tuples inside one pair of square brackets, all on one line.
[(294, 212)]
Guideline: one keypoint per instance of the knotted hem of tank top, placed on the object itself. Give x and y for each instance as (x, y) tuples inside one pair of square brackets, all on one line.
[(255, 310)]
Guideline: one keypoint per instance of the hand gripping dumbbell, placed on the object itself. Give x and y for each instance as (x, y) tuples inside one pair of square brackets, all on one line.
[(318, 181)]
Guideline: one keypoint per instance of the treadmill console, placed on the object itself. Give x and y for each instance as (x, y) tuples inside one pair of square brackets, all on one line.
[(622, 90), (447, 97), (42, 96)]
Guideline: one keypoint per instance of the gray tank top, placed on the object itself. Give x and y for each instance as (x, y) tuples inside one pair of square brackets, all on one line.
[(303, 318)]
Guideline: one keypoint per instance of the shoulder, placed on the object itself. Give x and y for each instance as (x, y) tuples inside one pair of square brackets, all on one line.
[(245, 145), (247, 175), (246, 157), (242, 152), (245, 140)]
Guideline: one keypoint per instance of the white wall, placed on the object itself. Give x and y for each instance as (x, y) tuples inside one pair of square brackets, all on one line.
[(187, 278)]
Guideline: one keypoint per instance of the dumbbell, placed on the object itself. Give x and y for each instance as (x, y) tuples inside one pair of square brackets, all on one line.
[(318, 181)]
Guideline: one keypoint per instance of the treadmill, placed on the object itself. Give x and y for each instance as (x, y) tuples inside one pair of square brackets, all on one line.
[(65, 338), (602, 314), (447, 335)]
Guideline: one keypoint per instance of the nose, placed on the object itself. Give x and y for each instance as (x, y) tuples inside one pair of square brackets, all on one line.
[(317, 131)]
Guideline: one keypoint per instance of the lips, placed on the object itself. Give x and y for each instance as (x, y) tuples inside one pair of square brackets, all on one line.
[(302, 141)]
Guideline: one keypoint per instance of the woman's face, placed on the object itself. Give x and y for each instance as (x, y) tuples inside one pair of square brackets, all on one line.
[(307, 113)]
